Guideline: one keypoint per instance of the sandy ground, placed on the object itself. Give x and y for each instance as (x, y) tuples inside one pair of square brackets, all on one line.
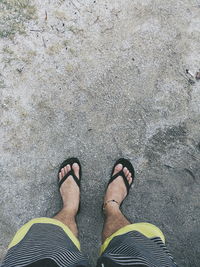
[(100, 80)]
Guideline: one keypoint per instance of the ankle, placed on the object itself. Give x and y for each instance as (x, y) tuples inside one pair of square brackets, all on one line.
[(111, 208), (69, 212)]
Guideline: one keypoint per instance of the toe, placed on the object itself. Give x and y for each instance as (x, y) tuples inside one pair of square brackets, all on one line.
[(126, 172), (68, 167), (75, 167), (65, 170), (62, 172), (129, 178), (117, 169)]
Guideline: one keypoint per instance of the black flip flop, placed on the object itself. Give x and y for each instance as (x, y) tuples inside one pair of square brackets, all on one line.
[(71, 161), (125, 163)]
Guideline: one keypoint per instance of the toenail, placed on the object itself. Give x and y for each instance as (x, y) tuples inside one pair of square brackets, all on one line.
[(75, 165)]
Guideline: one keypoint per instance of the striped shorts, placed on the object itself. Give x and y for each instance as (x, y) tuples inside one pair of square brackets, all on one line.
[(45, 242)]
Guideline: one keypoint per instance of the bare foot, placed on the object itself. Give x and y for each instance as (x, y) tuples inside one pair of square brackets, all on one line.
[(69, 190), (117, 190)]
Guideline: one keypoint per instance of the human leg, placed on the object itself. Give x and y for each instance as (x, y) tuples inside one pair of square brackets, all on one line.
[(70, 194), (114, 219), (139, 244), (51, 242)]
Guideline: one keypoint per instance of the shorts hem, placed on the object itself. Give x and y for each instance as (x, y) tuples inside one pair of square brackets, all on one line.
[(25, 228), (147, 229)]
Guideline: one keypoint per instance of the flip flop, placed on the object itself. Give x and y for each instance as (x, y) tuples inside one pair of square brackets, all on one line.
[(71, 161), (125, 163)]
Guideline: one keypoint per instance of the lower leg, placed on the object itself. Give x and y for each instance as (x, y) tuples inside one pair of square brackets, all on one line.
[(114, 220), (70, 194), (68, 219)]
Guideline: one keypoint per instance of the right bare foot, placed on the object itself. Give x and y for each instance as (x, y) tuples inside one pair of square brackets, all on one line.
[(69, 190), (116, 189)]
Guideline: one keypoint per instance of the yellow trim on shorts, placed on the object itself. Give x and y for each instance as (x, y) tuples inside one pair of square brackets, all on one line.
[(147, 229), (25, 228)]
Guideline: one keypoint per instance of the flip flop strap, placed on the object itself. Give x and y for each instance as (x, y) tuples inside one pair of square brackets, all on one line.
[(71, 172), (121, 173)]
